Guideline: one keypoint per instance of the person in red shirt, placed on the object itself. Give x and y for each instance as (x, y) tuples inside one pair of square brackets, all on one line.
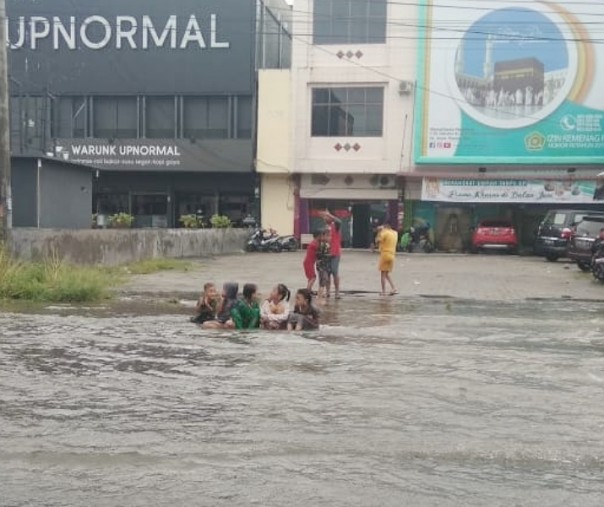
[(310, 261), (335, 228)]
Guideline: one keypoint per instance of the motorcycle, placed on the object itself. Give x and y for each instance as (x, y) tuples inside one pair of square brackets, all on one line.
[(597, 262), (417, 239), (261, 242), (287, 243)]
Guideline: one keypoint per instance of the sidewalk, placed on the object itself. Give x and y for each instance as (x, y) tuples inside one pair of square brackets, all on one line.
[(483, 277)]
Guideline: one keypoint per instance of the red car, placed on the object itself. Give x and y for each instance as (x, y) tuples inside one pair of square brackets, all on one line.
[(495, 235)]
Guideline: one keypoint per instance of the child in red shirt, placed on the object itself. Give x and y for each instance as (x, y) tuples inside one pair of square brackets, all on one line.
[(310, 260)]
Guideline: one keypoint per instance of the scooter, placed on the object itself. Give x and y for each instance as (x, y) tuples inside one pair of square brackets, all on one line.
[(597, 261), (261, 242), (417, 239), (287, 243)]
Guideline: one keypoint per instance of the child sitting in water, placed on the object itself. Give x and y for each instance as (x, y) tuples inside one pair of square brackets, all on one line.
[(305, 316), (246, 313), (324, 264), (227, 303), (275, 310), (206, 305)]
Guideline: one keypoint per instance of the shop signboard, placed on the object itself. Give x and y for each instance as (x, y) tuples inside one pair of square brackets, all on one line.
[(131, 47), (509, 82), (157, 154), (511, 191)]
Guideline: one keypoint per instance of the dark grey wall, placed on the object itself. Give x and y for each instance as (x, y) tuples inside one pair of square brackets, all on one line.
[(66, 196), (127, 70), (23, 183)]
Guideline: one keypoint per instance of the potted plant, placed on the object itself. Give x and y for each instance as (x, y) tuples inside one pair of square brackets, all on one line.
[(191, 221), (221, 222), (121, 221)]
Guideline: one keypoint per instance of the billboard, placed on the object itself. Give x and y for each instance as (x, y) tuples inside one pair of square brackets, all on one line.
[(511, 191), (504, 82), (116, 47)]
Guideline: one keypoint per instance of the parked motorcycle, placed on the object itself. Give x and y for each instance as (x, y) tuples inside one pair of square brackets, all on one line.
[(417, 239), (287, 243), (263, 241), (597, 262)]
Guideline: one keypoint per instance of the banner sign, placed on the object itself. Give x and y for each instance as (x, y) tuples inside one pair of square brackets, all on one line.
[(511, 191), (136, 46), (158, 155), (510, 82)]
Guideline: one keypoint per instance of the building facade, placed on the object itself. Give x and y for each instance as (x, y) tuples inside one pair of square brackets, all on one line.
[(428, 112), (159, 98), (350, 115)]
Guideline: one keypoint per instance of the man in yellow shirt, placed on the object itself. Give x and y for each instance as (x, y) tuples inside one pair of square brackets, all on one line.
[(387, 240)]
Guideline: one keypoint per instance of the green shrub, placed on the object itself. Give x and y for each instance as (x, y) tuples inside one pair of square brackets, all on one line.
[(221, 222), (191, 221), (121, 221), (53, 281)]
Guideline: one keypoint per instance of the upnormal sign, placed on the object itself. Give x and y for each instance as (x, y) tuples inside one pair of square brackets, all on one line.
[(99, 32), (136, 47)]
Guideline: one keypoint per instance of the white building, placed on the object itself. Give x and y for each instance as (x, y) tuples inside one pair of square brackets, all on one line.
[(336, 131)]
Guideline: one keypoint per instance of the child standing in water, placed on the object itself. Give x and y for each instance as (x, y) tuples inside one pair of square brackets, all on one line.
[(206, 305), (305, 316), (274, 312), (246, 313), (310, 260), (324, 264), (227, 303)]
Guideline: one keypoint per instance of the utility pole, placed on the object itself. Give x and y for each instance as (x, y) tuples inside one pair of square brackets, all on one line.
[(6, 204)]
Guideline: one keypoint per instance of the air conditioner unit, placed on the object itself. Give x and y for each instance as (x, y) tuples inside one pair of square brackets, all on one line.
[(385, 181), (405, 87)]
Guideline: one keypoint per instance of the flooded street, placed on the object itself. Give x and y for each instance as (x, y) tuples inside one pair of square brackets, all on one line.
[(423, 402)]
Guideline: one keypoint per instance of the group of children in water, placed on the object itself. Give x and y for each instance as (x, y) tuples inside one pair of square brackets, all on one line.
[(229, 311)]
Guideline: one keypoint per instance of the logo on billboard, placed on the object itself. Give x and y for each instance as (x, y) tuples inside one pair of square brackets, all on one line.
[(535, 141)]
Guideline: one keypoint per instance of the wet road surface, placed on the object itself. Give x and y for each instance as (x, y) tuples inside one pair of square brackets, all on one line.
[(394, 402)]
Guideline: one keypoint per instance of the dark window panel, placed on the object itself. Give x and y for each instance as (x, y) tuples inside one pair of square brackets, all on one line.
[(349, 21), (352, 111), (244, 118), (160, 117)]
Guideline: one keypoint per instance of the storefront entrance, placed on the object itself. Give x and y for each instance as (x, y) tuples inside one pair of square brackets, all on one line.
[(359, 219)]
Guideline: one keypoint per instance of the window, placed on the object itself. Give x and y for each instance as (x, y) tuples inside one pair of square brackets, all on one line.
[(115, 117), (206, 117), (349, 21), (160, 117), (244, 117), (347, 112), (69, 117)]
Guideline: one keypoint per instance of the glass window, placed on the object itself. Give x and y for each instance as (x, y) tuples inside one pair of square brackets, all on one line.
[(206, 117), (115, 117), (244, 118), (69, 117), (160, 118), (349, 21), (354, 111)]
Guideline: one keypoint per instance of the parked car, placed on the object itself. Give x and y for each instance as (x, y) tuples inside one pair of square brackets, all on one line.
[(582, 241), (495, 235), (555, 231)]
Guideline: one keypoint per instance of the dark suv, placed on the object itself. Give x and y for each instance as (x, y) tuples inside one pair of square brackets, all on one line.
[(581, 245), (555, 231)]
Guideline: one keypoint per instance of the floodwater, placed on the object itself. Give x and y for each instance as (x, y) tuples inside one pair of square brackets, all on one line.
[(423, 403)]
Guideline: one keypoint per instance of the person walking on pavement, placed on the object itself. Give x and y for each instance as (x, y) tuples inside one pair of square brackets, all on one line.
[(335, 229), (387, 239)]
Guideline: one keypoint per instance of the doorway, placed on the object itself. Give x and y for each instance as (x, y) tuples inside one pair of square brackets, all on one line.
[(361, 226), (150, 210)]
